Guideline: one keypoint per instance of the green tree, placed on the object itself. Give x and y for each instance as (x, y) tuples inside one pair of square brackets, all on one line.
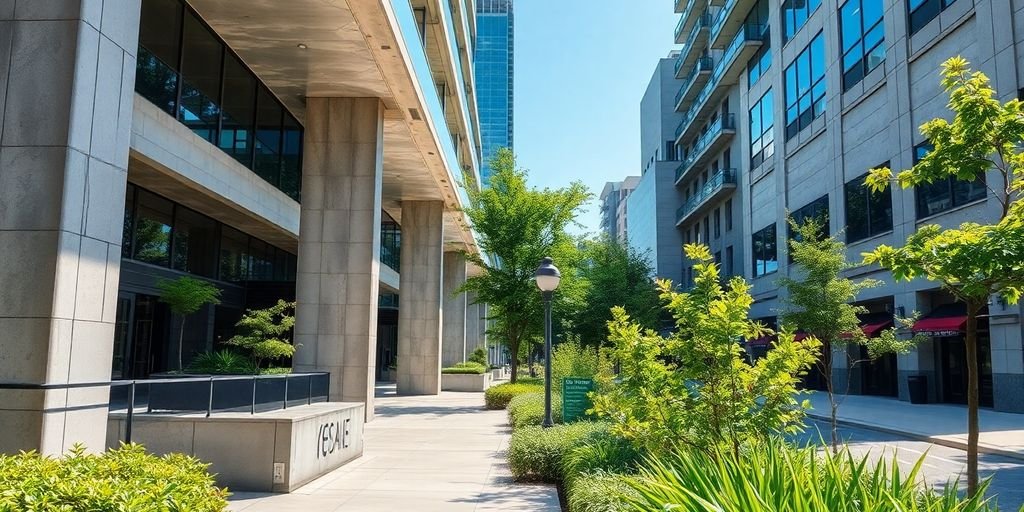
[(517, 227), (975, 261), (696, 387), (185, 296), (264, 333), (819, 303), (614, 274)]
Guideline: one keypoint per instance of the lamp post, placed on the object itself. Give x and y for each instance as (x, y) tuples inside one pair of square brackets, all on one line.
[(547, 277)]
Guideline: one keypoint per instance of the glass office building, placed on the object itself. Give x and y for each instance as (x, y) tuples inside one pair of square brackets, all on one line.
[(494, 75)]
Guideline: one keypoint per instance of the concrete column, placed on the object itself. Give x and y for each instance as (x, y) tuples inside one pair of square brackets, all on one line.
[(339, 245), (473, 339), (453, 331), (66, 91), (419, 315)]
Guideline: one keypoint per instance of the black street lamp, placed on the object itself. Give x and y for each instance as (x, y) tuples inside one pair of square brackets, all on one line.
[(547, 277)]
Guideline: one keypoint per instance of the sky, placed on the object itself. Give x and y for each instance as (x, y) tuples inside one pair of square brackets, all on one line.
[(581, 68)]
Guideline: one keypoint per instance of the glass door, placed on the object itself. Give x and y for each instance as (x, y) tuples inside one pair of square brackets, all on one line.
[(122, 335)]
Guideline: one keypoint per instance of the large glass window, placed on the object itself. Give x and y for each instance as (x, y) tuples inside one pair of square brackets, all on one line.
[(944, 194), (156, 76), (762, 60), (795, 14), (195, 243), (201, 61), (867, 213), (390, 242), (239, 111), (762, 135), (862, 36), (154, 218), (128, 228), (816, 210), (923, 11), (234, 255), (805, 87), (268, 137), (765, 251)]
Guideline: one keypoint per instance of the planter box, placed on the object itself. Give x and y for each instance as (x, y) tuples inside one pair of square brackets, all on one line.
[(465, 382)]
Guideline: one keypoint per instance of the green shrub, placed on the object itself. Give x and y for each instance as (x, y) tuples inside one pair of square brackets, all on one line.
[(571, 359), (498, 397), (118, 480), (603, 452), (221, 362), (537, 381), (478, 356), (599, 492), (536, 453), (528, 409), (774, 476), (466, 368)]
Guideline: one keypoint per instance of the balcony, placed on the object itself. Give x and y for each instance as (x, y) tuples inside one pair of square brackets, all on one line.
[(680, 5), (726, 73), (729, 21), (694, 45), (716, 138), (717, 187), (686, 20), (697, 78)]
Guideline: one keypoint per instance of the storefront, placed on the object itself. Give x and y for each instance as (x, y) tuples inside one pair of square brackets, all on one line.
[(878, 375), (946, 325)]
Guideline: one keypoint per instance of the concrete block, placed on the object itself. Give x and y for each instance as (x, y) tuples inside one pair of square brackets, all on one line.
[(465, 382)]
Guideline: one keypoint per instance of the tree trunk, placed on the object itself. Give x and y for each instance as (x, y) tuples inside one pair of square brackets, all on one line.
[(181, 342), (830, 389), (513, 347), (972, 398)]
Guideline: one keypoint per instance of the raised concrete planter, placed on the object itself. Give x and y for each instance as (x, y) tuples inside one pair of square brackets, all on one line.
[(465, 382), (268, 452)]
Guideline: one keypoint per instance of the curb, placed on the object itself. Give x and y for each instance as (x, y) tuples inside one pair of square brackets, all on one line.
[(949, 443)]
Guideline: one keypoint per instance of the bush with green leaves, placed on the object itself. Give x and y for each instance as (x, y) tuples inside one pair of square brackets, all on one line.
[(184, 296), (221, 362), (498, 397), (528, 409), (599, 491), (264, 333), (537, 381), (774, 477), (467, 368), (478, 356), (125, 479), (696, 387), (536, 453), (573, 359), (593, 473)]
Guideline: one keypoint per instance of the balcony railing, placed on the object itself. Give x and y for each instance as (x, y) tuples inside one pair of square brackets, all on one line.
[(681, 26), (703, 65), (714, 185), (723, 14), (750, 32), (691, 49), (726, 122)]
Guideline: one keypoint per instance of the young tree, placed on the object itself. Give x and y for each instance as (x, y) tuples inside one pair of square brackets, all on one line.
[(263, 333), (614, 274), (975, 261), (696, 387), (185, 296), (517, 227), (819, 303)]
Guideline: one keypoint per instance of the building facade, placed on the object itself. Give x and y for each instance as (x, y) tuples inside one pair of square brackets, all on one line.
[(269, 151), (495, 74), (849, 82), (614, 210)]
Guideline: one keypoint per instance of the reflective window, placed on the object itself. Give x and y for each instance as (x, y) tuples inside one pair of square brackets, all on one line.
[(923, 11), (154, 218), (817, 210), (944, 194), (762, 134), (129, 222), (195, 243), (862, 38), (291, 158), (239, 111), (156, 74), (795, 14), (761, 60), (867, 213), (765, 251), (268, 137), (390, 242), (805, 87), (201, 60), (234, 255)]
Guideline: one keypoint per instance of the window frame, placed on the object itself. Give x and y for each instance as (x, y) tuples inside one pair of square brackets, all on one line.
[(806, 97), (759, 157), (784, 18), (768, 236), (922, 149), (870, 232), (863, 65), (936, 6)]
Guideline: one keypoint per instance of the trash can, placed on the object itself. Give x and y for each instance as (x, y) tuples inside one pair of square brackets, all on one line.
[(918, 385)]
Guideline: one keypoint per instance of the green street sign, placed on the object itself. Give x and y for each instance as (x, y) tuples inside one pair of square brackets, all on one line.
[(574, 398)]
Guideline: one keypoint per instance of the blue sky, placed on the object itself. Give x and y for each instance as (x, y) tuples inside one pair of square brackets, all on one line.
[(581, 69)]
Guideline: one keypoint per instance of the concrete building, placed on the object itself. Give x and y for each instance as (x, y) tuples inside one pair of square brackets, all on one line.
[(614, 222), (850, 81), (495, 75), (305, 150)]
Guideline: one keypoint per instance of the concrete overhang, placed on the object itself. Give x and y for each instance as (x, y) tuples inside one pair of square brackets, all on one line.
[(355, 48)]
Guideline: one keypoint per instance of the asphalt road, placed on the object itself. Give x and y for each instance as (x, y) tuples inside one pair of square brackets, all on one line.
[(942, 464)]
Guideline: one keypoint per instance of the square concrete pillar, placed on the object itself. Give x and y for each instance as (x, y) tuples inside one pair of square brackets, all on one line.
[(339, 245), (453, 330), (67, 76), (473, 320), (419, 316)]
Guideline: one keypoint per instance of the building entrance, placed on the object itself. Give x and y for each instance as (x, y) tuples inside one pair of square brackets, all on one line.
[(139, 335), (952, 353)]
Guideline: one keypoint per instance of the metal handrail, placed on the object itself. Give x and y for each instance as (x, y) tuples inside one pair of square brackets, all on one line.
[(703, 64), (720, 179), (726, 122)]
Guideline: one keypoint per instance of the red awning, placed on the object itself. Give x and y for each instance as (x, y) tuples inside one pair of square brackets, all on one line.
[(763, 341), (941, 326), (874, 330), (800, 336)]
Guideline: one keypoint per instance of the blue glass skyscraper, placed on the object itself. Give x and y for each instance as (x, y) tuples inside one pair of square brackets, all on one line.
[(494, 75)]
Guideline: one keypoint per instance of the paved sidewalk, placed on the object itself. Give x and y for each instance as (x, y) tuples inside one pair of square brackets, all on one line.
[(427, 453), (1001, 432)]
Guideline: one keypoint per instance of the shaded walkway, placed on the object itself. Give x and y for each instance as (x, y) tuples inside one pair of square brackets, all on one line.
[(425, 453)]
